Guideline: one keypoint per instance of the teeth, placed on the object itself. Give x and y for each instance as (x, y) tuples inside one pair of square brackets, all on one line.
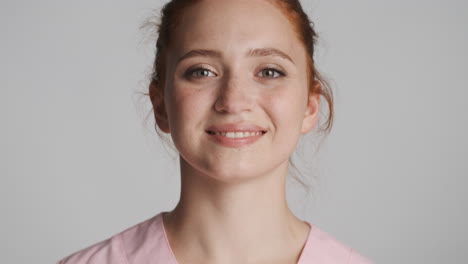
[(238, 134)]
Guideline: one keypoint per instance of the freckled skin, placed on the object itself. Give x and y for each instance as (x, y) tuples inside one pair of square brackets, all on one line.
[(234, 92), (228, 193)]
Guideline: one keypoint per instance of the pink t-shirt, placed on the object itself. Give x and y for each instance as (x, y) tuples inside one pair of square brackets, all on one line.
[(146, 243)]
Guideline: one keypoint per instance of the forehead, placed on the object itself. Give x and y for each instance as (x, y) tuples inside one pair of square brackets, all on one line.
[(235, 25)]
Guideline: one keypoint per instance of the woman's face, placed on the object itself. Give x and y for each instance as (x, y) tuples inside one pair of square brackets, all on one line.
[(233, 66)]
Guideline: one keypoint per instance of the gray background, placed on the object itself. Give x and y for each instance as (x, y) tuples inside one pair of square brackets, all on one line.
[(80, 163)]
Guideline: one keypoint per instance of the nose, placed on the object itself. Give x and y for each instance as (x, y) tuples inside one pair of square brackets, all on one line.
[(234, 96)]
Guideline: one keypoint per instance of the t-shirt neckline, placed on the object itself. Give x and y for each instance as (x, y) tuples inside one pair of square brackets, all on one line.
[(303, 255)]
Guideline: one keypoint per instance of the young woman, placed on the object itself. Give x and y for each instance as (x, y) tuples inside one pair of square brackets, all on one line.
[(235, 86)]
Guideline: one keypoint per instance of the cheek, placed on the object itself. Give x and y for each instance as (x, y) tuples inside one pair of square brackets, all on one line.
[(286, 111), (190, 104), (186, 106), (287, 107)]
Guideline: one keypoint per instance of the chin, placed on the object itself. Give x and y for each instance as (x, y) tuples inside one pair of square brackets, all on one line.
[(234, 174)]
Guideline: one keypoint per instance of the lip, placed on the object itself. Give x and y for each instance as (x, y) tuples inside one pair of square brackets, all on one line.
[(232, 127), (236, 127)]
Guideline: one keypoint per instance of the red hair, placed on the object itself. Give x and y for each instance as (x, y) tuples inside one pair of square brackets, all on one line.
[(173, 11)]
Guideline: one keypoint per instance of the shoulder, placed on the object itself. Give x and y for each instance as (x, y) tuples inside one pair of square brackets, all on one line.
[(321, 247), (356, 258), (107, 251), (137, 244)]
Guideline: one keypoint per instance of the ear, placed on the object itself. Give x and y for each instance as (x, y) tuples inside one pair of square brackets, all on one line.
[(157, 99), (312, 110)]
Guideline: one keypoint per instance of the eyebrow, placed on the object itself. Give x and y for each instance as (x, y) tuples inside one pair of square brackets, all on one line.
[(200, 53), (260, 52)]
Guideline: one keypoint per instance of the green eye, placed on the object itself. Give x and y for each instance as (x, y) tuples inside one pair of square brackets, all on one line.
[(200, 73), (271, 73)]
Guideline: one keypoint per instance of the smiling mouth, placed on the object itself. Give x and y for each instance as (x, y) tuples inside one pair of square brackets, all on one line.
[(237, 134)]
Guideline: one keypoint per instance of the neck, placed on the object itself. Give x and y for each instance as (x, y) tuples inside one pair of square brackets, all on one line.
[(241, 222)]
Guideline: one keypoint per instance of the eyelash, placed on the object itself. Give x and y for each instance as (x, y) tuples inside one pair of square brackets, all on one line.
[(281, 73), (192, 71)]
